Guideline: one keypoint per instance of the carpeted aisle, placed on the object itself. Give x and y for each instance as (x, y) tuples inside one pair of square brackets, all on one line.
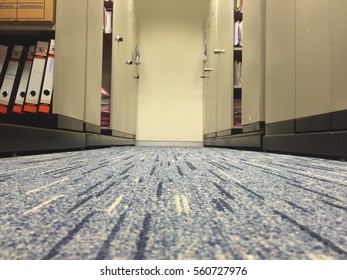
[(172, 203)]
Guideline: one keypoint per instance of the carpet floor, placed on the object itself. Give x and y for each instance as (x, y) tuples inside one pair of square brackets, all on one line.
[(172, 203)]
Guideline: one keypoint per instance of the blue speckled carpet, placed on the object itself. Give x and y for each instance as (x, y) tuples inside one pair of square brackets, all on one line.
[(172, 203)]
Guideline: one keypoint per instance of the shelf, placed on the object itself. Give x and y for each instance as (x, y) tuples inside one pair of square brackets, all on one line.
[(97, 140), (44, 121), (242, 140), (26, 26), (328, 144), (26, 36), (18, 139)]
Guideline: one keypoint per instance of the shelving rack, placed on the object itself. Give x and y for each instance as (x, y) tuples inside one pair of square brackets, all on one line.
[(293, 96), (75, 119), (247, 97), (306, 103)]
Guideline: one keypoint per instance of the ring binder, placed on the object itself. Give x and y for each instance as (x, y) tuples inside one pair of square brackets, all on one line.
[(10, 77), (47, 88), (36, 78), (21, 92)]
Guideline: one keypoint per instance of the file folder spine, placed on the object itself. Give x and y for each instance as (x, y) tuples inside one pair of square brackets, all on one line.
[(21, 92), (36, 77), (10, 77), (47, 88), (3, 58)]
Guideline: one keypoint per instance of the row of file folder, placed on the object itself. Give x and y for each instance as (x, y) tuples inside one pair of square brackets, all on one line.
[(26, 78)]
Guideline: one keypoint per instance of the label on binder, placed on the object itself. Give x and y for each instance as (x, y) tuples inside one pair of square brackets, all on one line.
[(36, 77), (21, 92), (47, 88), (10, 76)]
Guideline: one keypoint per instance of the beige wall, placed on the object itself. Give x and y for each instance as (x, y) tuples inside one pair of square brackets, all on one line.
[(170, 97)]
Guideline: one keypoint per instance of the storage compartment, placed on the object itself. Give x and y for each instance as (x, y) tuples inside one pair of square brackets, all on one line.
[(27, 10)]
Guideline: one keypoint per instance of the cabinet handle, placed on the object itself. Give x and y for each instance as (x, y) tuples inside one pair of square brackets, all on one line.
[(208, 69), (219, 51), (129, 62), (204, 76), (136, 76), (119, 39)]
